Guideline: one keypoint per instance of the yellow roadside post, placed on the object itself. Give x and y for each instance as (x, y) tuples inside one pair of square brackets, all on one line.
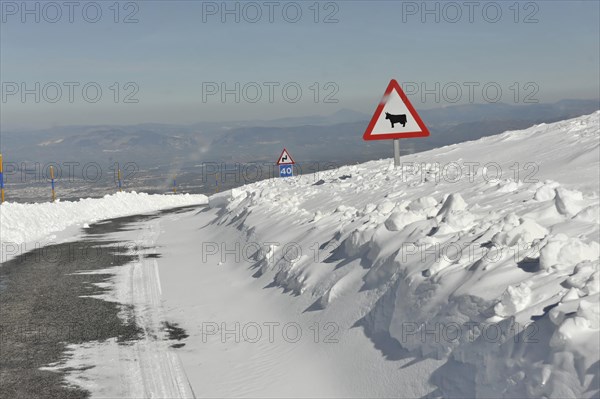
[(52, 182)]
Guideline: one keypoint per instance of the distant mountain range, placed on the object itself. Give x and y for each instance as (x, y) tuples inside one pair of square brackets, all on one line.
[(336, 138)]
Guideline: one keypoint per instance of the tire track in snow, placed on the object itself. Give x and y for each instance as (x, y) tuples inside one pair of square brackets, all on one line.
[(160, 369)]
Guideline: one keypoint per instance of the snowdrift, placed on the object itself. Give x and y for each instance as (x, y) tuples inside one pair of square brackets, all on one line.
[(22, 224), (483, 254)]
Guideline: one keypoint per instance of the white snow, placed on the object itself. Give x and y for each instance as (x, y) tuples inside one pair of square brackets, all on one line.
[(21, 225), (436, 245), (443, 278)]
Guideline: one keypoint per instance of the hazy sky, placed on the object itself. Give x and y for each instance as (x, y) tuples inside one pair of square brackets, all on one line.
[(177, 57)]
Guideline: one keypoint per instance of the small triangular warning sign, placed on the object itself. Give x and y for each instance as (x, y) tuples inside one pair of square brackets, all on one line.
[(395, 117), (285, 158)]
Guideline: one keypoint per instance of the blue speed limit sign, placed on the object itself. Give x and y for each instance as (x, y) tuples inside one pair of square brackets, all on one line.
[(286, 170)]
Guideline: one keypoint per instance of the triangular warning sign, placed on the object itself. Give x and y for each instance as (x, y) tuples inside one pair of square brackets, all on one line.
[(285, 158), (395, 117)]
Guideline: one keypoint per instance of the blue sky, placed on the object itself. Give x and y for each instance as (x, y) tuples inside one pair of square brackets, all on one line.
[(177, 49)]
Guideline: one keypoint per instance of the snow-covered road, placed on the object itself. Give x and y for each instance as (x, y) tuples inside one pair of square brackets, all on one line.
[(250, 340), (243, 339)]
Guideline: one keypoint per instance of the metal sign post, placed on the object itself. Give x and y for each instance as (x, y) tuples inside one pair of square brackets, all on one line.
[(1, 182), (396, 153)]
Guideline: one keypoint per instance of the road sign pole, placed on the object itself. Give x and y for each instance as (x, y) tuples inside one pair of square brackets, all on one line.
[(1, 182), (396, 153)]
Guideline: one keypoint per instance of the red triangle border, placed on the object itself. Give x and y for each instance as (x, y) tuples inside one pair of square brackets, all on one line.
[(424, 132), (289, 155)]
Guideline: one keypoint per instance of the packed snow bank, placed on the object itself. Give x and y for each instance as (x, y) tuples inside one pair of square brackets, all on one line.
[(26, 223), (482, 254)]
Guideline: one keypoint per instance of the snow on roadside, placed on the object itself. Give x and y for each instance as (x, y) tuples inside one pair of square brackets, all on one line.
[(498, 275), (147, 367), (23, 224)]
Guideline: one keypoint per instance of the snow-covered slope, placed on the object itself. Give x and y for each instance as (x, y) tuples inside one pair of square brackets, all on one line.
[(473, 271), (23, 224), (482, 254)]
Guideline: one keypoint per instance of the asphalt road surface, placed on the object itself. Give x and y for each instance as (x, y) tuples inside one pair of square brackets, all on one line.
[(43, 309)]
